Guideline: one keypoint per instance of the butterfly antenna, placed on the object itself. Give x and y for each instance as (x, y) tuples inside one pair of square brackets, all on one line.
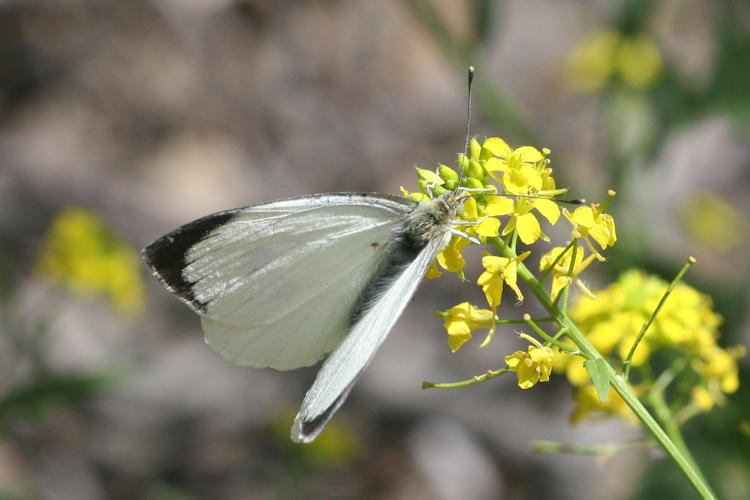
[(468, 124)]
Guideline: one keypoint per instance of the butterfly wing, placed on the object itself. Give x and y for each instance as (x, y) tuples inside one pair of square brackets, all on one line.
[(343, 367), (276, 284)]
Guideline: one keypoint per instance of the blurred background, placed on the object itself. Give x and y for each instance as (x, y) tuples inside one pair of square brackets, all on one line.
[(121, 120)]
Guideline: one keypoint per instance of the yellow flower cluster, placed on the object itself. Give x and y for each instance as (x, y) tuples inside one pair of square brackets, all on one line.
[(81, 253), (604, 54), (510, 189), (686, 328)]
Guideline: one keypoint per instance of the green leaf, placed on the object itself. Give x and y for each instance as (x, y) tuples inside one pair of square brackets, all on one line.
[(597, 369)]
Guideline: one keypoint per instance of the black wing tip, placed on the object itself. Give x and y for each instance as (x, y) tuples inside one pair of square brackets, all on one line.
[(167, 256)]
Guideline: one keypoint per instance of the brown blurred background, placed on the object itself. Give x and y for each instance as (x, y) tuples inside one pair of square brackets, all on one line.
[(147, 114)]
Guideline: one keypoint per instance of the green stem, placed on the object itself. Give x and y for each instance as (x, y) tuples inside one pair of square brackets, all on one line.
[(647, 324), (600, 449), (571, 268), (667, 420), (557, 259), (520, 321), (463, 383), (547, 337), (618, 383)]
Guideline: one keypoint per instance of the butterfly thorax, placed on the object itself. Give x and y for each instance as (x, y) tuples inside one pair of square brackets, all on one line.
[(432, 220)]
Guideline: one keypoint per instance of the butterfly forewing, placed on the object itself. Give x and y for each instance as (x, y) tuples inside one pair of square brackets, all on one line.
[(264, 277)]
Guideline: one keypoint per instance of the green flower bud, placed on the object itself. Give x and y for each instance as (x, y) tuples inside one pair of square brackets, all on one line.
[(461, 166), (472, 183), (427, 175), (474, 149), (475, 170), (481, 204), (447, 173), (436, 190)]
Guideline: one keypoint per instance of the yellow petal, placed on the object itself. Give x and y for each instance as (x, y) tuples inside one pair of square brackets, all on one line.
[(522, 180), (497, 147), (489, 336), (451, 259), (455, 341), (558, 283), (604, 231), (499, 205), (433, 272), (528, 228), (488, 227), (583, 216), (510, 278), (514, 360), (470, 210), (495, 165), (528, 154), (548, 209)]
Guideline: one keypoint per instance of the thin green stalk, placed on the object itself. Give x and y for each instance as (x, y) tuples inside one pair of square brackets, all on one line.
[(647, 324), (557, 259), (667, 420), (521, 321), (547, 337), (463, 383), (444, 314), (571, 270), (599, 449), (618, 383)]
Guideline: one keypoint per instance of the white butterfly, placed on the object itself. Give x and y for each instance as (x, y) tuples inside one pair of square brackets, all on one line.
[(281, 284)]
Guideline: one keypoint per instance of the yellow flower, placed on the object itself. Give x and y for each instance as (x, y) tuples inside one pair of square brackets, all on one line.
[(702, 398), (532, 366), (460, 320), (639, 62), (526, 223), (714, 222), (721, 365), (589, 222), (499, 270), (685, 325), (590, 65), (81, 253), (560, 277), (489, 226), (606, 53), (450, 258)]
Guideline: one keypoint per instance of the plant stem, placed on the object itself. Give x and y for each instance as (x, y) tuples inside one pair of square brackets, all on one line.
[(629, 359), (600, 449), (463, 383), (618, 383)]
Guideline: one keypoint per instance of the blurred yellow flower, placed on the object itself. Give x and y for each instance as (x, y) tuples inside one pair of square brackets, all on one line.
[(604, 54), (81, 253), (686, 326), (714, 222), (588, 405), (639, 61)]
